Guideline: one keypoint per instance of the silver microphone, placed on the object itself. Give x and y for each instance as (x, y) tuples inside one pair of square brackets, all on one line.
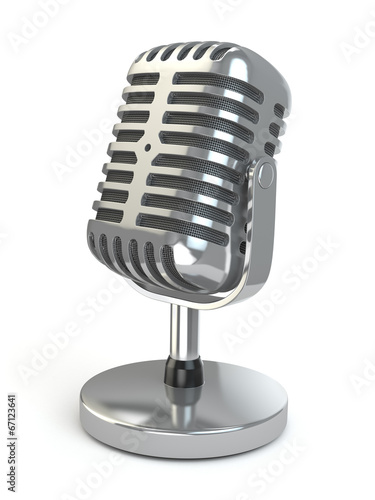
[(187, 214)]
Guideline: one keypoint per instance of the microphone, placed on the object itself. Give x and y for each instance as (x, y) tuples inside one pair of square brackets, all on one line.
[(186, 216)]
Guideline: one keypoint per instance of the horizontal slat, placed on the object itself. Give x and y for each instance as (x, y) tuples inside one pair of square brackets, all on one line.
[(129, 135), (139, 97), (214, 101), (279, 110), (188, 206), (194, 186), (217, 80), (204, 142), (274, 129), (182, 227), (269, 148), (124, 157), (144, 78), (121, 176), (199, 165), (214, 122), (135, 116), (117, 196), (109, 215)]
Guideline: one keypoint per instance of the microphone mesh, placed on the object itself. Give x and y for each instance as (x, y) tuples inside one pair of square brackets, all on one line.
[(199, 165), (209, 101), (189, 207), (201, 120), (225, 82)]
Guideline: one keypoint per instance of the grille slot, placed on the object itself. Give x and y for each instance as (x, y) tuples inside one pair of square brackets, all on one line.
[(224, 82), (103, 248), (274, 129), (200, 52), (185, 51), (135, 116), (202, 120), (124, 157), (169, 51), (182, 227), (117, 251), (199, 165), (269, 148), (140, 97), (211, 101), (218, 54), (145, 79), (167, 258), (189, 207), (193, 186), (154, 52), (279, 110), (91, 242), (149, 255), (134, 259), (139, 57), (115, 195), (204, 142), (243, 247), (121, 176), (109, 215), (130, 135)]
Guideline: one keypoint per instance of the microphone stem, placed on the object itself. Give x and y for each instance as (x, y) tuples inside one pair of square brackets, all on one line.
[(184, 343), (184, 367)]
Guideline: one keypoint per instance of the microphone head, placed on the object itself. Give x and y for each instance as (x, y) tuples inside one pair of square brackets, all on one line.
[(192, 162)]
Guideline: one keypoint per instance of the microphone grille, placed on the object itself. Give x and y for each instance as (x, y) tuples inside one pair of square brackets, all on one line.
[(191, 125)]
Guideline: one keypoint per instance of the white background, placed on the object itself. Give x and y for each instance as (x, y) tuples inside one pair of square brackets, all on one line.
[(65, 79)]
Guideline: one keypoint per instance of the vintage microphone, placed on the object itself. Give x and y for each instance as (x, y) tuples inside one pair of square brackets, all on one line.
[(186, 216)]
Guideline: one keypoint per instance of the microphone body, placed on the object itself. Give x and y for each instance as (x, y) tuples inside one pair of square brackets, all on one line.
[(186, 216), (178, 210)]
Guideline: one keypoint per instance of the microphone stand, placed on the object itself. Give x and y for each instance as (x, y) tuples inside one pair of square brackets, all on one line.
[(194, 412)]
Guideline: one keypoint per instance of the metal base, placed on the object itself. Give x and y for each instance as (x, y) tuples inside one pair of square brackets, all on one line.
[(235, 410)]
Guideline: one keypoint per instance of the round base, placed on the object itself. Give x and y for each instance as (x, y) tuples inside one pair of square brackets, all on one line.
[(235, 410)]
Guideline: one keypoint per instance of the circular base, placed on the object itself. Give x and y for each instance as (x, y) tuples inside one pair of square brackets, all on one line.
[(235, 410)]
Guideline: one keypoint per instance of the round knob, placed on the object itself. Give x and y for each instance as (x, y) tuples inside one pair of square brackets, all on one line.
[(266, 175)]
